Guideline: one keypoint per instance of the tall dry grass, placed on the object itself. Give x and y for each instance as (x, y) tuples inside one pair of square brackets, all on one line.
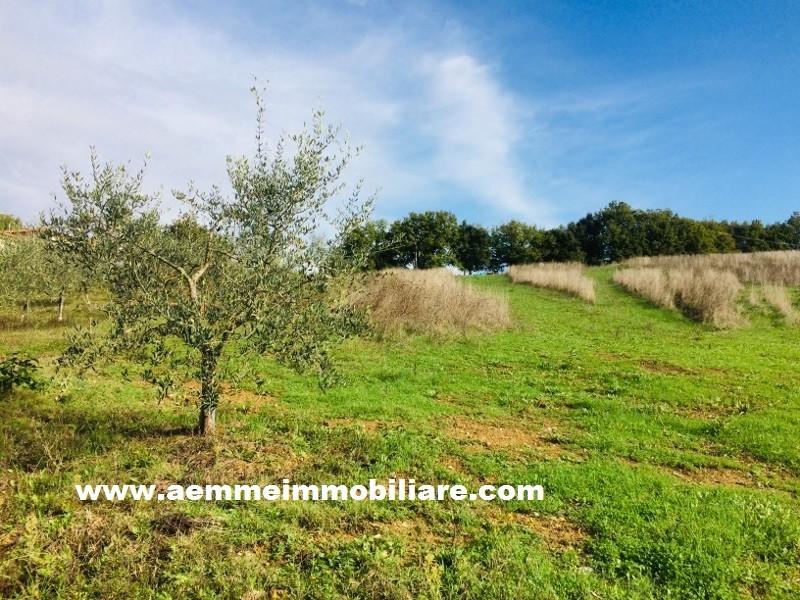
[(781, 267), (648, 282), (707, 295), (566, 277), (777, 296), (430, 301)]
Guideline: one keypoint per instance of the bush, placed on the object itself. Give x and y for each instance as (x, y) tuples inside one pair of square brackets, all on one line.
[(18, 371)]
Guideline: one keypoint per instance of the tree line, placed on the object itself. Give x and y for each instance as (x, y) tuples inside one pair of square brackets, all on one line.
[(617, 232)]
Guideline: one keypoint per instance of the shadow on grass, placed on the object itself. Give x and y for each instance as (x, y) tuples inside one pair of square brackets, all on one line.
[(38, 434)]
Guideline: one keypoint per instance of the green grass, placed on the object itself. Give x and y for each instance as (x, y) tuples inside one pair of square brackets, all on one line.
[(668, 452)]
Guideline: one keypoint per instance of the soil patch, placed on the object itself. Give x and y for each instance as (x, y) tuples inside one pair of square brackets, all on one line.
[(415, 530), (717, 476), (557, 532), (455, 464), (505, 436), (664, 368), (242, 400)]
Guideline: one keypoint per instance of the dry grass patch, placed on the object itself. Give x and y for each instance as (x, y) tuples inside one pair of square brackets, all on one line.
[(413, 531), (565, 277), (777, 296), (707, 295), (778, 267), (239, 399), (430, 301), (707, 286)]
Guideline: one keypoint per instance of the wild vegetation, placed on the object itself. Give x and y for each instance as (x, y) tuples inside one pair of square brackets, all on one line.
[(708, 287), (430, 301), (565, 277), (706, 295), (34, 274), (777, 267), (778, 296)]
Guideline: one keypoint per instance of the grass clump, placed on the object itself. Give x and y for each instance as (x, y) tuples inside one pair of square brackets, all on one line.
[(776, 267), (777, 296), (706, 295), (430, 301), (565, 277)]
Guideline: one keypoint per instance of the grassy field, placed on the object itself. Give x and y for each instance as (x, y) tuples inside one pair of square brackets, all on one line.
[(668, 451)]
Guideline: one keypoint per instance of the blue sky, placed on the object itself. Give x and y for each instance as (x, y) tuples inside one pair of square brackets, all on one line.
[(540, 111)]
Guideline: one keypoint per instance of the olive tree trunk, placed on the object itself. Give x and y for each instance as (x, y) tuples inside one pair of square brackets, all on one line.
[(209, 391), (61, 305)]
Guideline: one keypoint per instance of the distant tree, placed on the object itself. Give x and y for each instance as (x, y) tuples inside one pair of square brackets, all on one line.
[(22, 266), (250, 269), (619, 232), (784, 236), (561, 245), (426, 240), (474, 251), (590, 233), (792, 231), (750, 236), (659, 232), (9, 222), (515, 243), (371, 245), (30, 271), (705, 237)]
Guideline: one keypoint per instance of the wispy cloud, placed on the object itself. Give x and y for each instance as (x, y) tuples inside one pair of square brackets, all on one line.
[(476, 125), (127, 80)]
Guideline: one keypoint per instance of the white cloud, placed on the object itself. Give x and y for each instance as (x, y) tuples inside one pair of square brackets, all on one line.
[(476, 125), (132, 78)]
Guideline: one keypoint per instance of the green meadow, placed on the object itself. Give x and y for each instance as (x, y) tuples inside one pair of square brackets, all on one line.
[(668, 451)]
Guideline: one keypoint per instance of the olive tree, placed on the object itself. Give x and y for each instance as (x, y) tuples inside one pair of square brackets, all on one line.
[(31, 271), (261, 267)]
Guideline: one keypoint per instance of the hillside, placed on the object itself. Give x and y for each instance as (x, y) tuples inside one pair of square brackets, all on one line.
[(667, 450)]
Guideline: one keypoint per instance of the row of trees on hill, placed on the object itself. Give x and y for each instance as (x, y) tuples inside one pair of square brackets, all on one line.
[(617, 232)]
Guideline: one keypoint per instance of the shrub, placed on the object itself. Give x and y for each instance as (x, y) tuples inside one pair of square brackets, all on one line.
[(18, 371), (566, 277), (430, 301)]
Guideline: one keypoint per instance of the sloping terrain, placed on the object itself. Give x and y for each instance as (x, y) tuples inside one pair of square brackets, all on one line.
[(667, 449)]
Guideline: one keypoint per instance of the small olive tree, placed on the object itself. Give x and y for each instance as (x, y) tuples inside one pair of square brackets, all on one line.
[(31, 271), (263, 269)]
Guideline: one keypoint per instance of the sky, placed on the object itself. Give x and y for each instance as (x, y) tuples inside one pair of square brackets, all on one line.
[(539, 110)]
